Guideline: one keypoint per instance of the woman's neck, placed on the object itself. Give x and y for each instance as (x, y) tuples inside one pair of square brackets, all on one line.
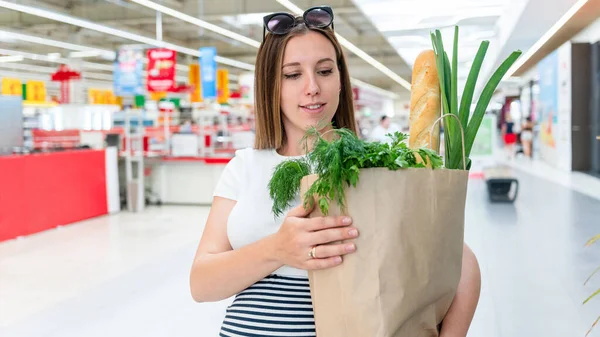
[(294, 144)]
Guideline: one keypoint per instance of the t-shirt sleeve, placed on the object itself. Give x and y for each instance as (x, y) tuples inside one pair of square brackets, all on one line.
[(229, 183)]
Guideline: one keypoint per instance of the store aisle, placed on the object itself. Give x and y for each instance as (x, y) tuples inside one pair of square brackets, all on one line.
[(122, 275), (127, 275), (533, 259)]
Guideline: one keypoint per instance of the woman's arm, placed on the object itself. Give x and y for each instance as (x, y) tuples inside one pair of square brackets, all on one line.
[(461, 312), (218, 271)]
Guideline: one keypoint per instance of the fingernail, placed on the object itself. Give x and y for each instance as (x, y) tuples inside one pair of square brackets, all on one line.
[(353, 232), (346, 221), (350, 248), (338, 259)]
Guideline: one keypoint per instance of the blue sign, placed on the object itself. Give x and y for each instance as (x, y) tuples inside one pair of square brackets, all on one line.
[(208, 72), (128, 71)]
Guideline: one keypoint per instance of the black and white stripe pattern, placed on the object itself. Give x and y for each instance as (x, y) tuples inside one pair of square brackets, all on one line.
[(277, 306)]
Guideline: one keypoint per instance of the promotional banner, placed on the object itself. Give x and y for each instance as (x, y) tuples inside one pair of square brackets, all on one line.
[(194, 78), (161, 70), (548, 118), (222, 86), (11, 86), (35, 91), (128, 72), (555, 108), (209, 72)]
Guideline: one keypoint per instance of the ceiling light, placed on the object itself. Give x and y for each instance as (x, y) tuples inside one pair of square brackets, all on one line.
[(87, 53), (375, 89), (13, 58), (198, 22), (54, 56), (116, 32), (48, 42), (357, 51), (558, 25)]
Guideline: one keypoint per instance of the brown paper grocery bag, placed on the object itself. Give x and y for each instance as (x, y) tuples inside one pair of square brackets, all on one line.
[(403, 276)]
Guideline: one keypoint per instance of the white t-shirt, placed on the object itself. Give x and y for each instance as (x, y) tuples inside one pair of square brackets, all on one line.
[(245, 180)]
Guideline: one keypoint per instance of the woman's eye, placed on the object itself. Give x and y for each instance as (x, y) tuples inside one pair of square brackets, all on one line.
[(326, 72), (291, 76)]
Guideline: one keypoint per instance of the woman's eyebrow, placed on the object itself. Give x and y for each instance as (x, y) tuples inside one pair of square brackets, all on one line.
[(298, 63)]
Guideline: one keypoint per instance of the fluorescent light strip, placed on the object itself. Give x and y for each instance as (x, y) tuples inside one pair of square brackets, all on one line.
[(12, 58), (48, 42), (198, 22), (116, 32), (50, 70), (558, 25), (52, 59), (87, 53), (373, 88), (378, 65)]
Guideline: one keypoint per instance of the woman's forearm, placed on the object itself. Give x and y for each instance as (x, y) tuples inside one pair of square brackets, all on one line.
[(215, 277), (461, 312)]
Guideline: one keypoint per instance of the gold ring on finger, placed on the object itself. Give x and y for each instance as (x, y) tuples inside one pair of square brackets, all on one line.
[(313, 252)]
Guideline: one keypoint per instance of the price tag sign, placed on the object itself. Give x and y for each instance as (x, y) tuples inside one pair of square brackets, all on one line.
[(36, 91), (12, 87)]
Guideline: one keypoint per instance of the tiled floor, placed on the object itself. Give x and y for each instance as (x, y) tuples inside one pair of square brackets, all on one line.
[(127, 275)]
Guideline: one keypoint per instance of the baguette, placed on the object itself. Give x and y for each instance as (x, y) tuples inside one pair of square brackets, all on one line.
[(425, 104)]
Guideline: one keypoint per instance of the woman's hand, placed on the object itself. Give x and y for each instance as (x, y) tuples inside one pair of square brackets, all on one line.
[(298, 235)]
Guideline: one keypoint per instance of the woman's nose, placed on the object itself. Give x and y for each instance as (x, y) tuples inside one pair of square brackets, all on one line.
[(311, 86)]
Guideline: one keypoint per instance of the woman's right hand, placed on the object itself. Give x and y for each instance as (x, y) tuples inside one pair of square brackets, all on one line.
[(299, 234)]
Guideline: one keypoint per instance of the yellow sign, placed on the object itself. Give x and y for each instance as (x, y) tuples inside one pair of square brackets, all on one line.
[(194, 78), (100, 96), (157, 96), (222, 86), (11, 86), (36, 91)]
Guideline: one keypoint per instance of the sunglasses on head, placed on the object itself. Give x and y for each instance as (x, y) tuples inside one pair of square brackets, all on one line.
[(282, 23)]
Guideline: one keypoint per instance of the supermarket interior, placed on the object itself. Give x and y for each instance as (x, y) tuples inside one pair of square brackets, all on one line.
[(122, 123)]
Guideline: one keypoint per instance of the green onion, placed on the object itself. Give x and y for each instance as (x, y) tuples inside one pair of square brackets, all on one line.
[(448, 78)]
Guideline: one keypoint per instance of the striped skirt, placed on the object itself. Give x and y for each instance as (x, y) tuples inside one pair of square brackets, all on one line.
[(277, 306)]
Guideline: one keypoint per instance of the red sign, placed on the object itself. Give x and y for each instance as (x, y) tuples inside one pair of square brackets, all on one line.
[(161, 70), (63, 75)]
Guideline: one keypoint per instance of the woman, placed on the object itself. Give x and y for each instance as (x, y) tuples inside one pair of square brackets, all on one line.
[(301, 80), (527, 137), (509, 136)]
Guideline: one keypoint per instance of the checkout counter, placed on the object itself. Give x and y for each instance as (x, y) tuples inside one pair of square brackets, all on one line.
[(46, 190)]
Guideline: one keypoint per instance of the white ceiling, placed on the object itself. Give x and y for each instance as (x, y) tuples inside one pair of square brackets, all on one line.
[(508, 25), (391, 31)]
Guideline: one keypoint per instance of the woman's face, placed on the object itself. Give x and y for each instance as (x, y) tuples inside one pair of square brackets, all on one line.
[(310, 84)]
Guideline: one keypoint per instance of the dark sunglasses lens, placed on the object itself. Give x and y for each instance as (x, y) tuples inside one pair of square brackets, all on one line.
[(280, 24), (318, 17)]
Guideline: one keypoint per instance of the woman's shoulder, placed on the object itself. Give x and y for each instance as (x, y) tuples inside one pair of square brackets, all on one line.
[(249, 154), (250, 157)]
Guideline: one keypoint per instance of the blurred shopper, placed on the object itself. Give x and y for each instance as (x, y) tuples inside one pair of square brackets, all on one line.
[(527, 137), (509, 136), (384, 127), (301, 80)]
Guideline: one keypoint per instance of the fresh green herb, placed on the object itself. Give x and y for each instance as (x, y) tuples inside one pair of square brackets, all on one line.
[(285, 183), (338, 163), (449, 91)]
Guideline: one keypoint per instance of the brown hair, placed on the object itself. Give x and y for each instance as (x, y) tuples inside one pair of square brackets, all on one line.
[(270, 133)]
